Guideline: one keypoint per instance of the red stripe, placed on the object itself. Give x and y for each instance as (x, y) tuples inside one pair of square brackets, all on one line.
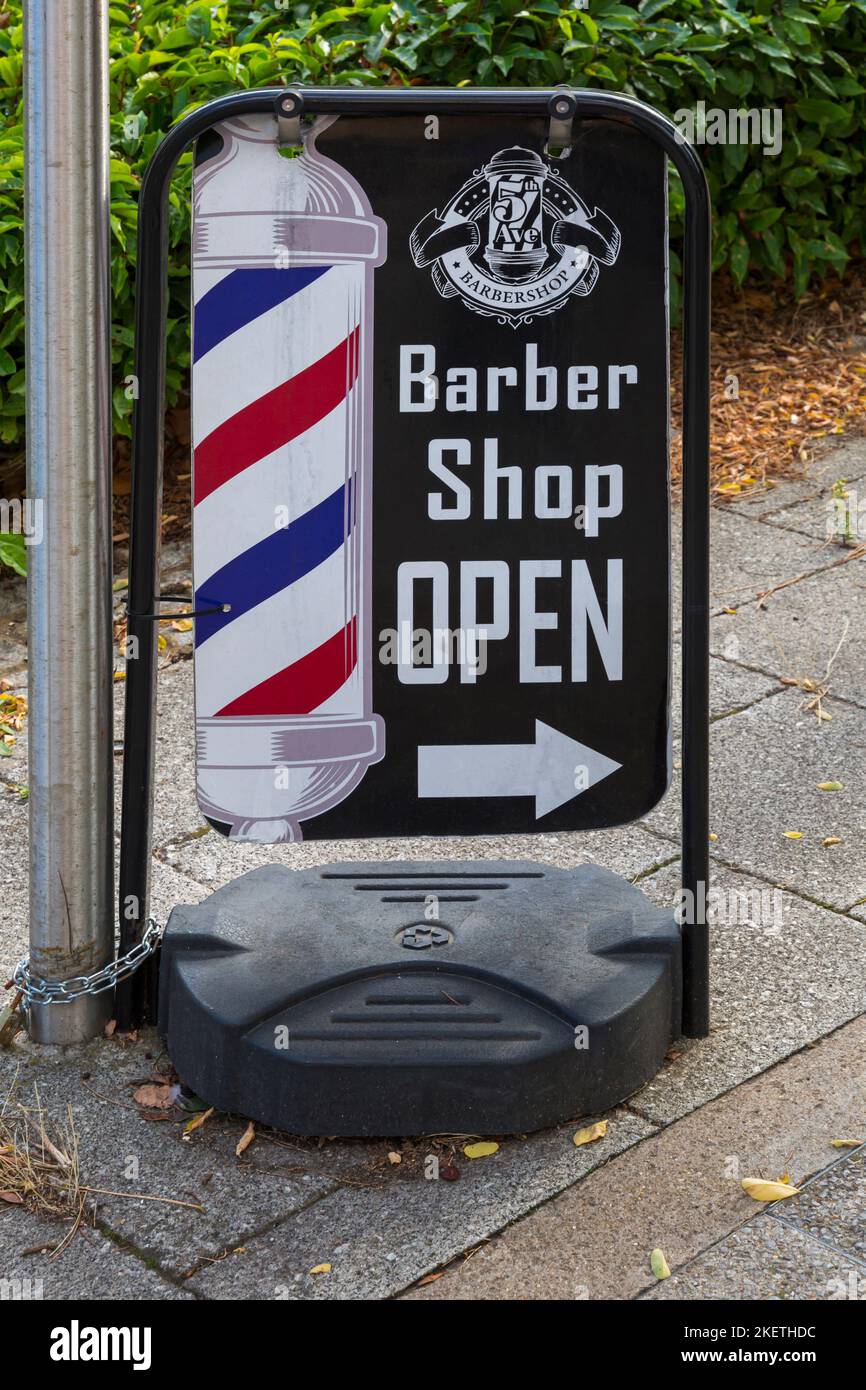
[(307, 683), (277, 417)]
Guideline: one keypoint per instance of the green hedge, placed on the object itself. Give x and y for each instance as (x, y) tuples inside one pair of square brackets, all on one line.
[(797, 215)]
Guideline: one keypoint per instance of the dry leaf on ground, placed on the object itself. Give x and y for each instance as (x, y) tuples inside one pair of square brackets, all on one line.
[(155, 1097), (480, 1150), (762, 1190), (590, 1134), (197, 1121), (246, 1139)]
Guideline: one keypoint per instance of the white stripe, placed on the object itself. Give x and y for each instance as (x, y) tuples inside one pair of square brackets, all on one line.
[(271, 636), (349, 699), (204, 279), (272, 493), (273, 348)]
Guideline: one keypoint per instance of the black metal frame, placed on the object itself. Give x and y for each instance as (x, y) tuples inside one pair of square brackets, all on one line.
[(151, 298)]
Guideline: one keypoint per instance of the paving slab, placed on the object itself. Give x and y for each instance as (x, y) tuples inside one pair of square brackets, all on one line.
[(123, 1152), (91, 1266), (628, 850), (167, 886), (801, 630), (832, 1208), (681, 1190), (732, 687), (766, 765), (14, 882), (175, 810), (746, 558), (783, 973), (379, 1241), (847, 460), (764, 1260), (828, 517), (817, 513)]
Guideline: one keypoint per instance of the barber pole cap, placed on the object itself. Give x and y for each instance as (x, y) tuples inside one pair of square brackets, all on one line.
[(283, 258)]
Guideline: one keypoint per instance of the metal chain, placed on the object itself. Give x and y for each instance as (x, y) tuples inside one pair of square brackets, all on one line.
[(36, 991)]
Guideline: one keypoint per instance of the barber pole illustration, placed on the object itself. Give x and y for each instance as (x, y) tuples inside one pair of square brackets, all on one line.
[(515, 248), (283, 258)]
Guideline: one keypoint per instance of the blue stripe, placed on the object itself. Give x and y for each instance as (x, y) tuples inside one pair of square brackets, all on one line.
[(245, 295), (276, 562)]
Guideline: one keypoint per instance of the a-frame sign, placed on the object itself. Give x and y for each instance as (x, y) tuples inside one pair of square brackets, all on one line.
[(431, 566)]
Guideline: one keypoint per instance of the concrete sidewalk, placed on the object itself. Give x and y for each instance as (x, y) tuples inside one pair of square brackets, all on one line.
[(544, 1218)]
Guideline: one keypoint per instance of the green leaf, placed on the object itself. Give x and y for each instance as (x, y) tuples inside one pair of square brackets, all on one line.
[(589, 25), (13, 552), (815, 109), (739, 259), (768, 217)]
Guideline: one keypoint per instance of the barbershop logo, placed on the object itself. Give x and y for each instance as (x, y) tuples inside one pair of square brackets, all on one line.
[(516, 241)]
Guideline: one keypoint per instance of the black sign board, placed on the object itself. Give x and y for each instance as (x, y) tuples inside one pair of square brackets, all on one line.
[(460, 622)]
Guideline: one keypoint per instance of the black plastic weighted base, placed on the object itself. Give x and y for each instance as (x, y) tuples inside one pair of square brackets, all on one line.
[(404, 998)]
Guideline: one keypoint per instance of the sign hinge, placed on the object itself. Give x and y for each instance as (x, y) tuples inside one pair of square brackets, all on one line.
[(562, 108)]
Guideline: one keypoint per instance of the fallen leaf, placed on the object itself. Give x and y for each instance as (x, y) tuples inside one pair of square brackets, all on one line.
[(831, 840), (481, 1150), (713, 835), (197, 1121), (830, 787), (321, 1269), (110, 1027), (182, 625), (394, 1157), (430, 1278), (153, 1097), (449, 1173), (793, 834), (590, 1134), (246, 1139), (846, 1143), (659, 1265), (761, 1190), (14, 1197)]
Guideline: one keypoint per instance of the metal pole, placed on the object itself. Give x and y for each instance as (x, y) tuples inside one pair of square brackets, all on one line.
[(69, 474)]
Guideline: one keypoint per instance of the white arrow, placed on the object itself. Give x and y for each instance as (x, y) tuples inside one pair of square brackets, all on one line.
[(553, 769)]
